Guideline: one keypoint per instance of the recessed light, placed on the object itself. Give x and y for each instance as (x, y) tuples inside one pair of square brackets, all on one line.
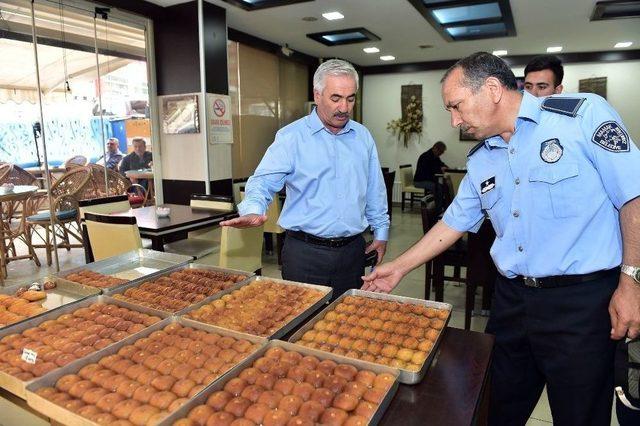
[(371, 50), (623, 44), (499, 52), (332, 16), (554, 49), (387, 58)]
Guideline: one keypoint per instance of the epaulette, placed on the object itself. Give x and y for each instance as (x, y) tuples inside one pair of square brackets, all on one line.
[(562, 105), (475, 148)]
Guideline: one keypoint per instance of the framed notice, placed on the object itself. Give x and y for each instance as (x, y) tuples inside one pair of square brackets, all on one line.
[(219, 119), (180, 114)]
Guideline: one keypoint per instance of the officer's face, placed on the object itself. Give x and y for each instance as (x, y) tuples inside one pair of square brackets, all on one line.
[(541, 83), (336, 101), (471, 112)]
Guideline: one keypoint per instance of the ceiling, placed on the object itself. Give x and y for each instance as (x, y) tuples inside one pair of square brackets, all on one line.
[(539, 24)]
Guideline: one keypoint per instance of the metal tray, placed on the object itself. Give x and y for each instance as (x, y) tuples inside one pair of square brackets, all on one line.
[(288, 326), (17, 386), (125, 287), (201, 398), (64, 293), (406, 376), (134, 265), (70, 418)]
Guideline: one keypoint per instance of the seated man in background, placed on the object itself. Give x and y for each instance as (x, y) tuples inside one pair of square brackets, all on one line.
[(139, 159), (114, 156), (430, 164)]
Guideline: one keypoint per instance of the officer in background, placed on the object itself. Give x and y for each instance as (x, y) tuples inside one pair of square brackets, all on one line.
[(557, 177), (543, 76)]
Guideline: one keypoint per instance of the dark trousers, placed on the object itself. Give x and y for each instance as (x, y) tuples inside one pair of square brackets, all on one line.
[(553, 336), (340, 268)]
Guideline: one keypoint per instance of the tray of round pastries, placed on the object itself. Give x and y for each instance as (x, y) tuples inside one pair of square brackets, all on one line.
[(397, 331), (285, 384), (262, 306), (124, 268), (21, 302), (144, 378), (176, 290), (61, 337)]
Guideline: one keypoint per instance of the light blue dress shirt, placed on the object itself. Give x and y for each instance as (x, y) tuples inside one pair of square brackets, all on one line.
[(334, 182), (552, 216)]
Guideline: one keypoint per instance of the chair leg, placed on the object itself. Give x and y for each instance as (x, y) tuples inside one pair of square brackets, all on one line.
[(438, 279), (403, 201), (427, 280), (47, 244), (469, 304), (268, 242)]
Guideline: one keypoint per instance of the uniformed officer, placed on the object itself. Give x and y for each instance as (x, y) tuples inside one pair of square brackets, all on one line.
[(558, 179)]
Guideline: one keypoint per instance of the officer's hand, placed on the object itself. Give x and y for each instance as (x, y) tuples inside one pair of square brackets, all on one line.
[(383, 279), (380, 247), (246, 221), (624, 309)]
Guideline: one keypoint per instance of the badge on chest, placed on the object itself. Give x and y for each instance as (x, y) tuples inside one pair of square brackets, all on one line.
[(551, 150), (488, 185)]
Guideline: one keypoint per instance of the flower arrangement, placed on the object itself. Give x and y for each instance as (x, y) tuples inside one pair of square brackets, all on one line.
[(409, 123)]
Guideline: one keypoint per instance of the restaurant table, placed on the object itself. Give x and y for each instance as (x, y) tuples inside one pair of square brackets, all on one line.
[(136, 175), (181, 220), (11, 201)]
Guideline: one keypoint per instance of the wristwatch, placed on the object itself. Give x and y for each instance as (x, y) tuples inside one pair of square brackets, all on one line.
[(632, 271)]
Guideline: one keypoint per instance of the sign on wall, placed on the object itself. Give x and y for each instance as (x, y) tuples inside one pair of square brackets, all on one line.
[(219, 117)]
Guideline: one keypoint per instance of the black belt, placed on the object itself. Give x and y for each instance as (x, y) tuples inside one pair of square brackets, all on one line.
[(563, 280), (327, 242)]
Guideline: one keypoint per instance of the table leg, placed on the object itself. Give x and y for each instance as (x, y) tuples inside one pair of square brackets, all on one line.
[(157, 243)]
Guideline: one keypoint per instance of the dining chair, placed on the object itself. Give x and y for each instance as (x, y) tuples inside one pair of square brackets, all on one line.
[(103, 206), (111, 235), (117, 184), (66, 193), (75, 161), (239, 249), (406, 179), (271, 227)]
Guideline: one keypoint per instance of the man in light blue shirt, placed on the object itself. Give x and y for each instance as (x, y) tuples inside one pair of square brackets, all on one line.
[(334, 185), (558, 178)]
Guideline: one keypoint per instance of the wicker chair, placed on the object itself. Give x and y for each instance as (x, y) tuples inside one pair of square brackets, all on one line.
[(16, 175), (78, 160), (66, 222), (4, 172), (118, 185)]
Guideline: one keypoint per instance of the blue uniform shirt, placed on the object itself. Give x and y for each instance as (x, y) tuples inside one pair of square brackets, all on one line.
[(553, 193), (334, 183)]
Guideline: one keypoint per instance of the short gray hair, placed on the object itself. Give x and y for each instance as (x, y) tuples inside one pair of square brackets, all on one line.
[(476, 68), (333, 67)]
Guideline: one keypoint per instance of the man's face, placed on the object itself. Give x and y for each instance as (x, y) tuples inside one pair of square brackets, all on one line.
[(541, 83), (474, 113), (112, 147), (139, 148), (336, 101)]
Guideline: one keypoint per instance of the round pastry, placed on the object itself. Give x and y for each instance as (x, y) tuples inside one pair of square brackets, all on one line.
[(345, 401), (419, 357), (88, 411), (200, 414), (404, 354), (253, 392), (166, 366), (146, 377), (425, 346), (87, 371), (250, 375), (93, 395), (64, 383), (127, 388), (374, 395), (168, 352), (83, 352), (141, 415), (311, 410), (366, 409), (290, 404), (237, 406), (291, 357), (163, 383), (108, 401), (284, 385), (152, 361), (235, 386), (144, 393), (177, 404), (59, 398), (270, 398), (73, 405), (101, 377), (218, 400), (221, 419), (346, 371), (383, 381), (276, 418), (266, 380), (182, 387), (297, 373), (40, 369), (198, 375), (102, 343), (79, 388), (303, 390), (333, 417), (162, 400), (123, 409), (355, 388), (214, 364), (256, 412), (121, 366), (195, 390), (181, 371), (315, 378), (134, 371), (327, 366)]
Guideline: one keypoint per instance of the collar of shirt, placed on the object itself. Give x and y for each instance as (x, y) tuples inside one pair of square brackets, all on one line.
[(315, 124), (529, 111)]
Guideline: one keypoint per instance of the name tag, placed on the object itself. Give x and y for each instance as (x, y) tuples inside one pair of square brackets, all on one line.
[(29, 356)]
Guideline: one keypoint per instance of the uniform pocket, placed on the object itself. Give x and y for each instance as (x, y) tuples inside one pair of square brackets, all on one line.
[(491, 207), (561, 183)]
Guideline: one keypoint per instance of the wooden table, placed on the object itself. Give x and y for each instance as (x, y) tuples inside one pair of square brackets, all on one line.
[(181, 220), (135, 175), (455, 388), (11, 201)]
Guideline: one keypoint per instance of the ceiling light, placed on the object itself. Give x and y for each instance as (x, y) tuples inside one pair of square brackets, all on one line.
[(623, 44), (371, 50), (387, 58), (554, 49), (332, 16), (499, 52)]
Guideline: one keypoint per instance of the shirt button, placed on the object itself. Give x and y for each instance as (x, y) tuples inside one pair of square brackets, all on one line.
[(520, 248), (516, 213), (517, 181), (512, 150)]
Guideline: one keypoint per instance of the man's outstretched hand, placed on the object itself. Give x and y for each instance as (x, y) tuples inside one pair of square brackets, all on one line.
[(246, 221), (383, 279)]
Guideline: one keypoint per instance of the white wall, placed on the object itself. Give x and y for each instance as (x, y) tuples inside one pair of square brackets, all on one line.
[(381, 104)]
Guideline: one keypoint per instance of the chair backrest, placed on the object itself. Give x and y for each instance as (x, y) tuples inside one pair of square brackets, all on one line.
[(212, 202), (12, 173), (78, 160), (456, 179), (241, 248), (4, 172), (70, 187), (111, 235), (273, 214), (406, 175), (105, 205)]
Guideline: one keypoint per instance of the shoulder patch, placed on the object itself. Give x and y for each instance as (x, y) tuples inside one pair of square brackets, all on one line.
[(612, 137), (562, 105), (475, 148)]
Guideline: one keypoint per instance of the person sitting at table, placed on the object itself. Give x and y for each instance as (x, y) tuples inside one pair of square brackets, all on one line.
[(430, 164), (114, 155), (139, 159)]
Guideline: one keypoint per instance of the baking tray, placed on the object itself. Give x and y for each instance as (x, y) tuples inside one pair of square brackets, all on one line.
[(70, 418), (64, 293), (201, 398), (17, 386), (125, 287), (406, 376), (288, 326), (134, 265)]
